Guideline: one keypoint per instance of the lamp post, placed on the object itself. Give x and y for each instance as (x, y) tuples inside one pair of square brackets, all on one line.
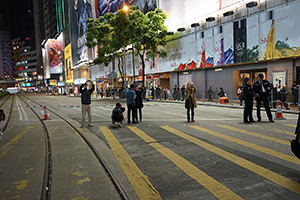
[(42, 67)]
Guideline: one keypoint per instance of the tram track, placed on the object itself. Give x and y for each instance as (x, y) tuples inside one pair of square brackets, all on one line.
[(48, 172)]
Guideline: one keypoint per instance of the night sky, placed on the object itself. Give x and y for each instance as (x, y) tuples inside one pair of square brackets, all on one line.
[(17, 17)]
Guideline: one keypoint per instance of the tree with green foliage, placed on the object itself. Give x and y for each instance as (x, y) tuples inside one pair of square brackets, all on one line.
[(147, 33)]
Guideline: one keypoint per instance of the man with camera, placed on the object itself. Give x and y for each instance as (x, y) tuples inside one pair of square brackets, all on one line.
[(86, 91)]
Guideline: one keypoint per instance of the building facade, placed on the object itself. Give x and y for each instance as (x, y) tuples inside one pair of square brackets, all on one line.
[(6, 69)]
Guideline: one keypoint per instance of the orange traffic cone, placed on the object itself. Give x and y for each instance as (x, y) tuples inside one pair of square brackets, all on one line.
[(278, 113), (45, 114)]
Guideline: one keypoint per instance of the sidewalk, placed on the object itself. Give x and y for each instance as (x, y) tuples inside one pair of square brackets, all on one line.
[(234, 104)]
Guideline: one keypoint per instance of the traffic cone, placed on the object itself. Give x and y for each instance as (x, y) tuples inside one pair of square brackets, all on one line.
[(45, 114), (278, 113)]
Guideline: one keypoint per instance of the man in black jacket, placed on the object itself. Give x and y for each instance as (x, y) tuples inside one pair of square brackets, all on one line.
[(86, 101), (262, 89), (249, 94)]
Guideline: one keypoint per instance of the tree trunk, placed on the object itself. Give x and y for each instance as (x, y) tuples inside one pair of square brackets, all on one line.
[(121, 71), (143, 66)]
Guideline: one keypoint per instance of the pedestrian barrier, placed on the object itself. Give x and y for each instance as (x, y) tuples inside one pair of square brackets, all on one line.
[(278, 113), (45, 114)]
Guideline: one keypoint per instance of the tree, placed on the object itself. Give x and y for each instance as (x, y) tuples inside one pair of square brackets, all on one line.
[(147, 33)]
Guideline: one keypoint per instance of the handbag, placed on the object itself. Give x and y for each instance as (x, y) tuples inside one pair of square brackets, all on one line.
[(188, 103), (295, 147)]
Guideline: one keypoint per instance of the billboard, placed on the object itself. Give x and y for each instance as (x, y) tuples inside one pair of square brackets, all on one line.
[(287, 36), (184, 13), (267, 40), (252, 38), (240, 41), (144, 5), (68, 64), (53, 56), (228, 44)]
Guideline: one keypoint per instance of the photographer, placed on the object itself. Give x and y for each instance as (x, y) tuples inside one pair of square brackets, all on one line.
[(86, 91)]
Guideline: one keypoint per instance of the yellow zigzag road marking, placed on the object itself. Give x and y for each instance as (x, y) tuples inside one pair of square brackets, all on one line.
[(268, 174), (216, 188), (139, 181), (257, 135), (251, 145), (291, 125)]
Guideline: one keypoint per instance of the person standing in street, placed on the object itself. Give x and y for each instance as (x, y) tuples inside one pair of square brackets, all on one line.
[(174, 93), (210, 92), (249, 94), (295, 91), (86, 91), (139, 103), (130, 95), (239, 93), (165, 92), (262, 89), (183, 93), (283, 94), (190, 99)]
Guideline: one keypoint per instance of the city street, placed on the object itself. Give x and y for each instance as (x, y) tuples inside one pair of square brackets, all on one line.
[(162, 157)]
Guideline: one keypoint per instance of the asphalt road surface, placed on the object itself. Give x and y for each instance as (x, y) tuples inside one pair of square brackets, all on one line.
[(164, 157)]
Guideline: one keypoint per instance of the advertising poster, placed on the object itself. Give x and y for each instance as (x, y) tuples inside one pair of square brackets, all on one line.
[(201, 52), (267, 40), (68, 64), (104, 6), (53, 56), (79, 12), (287, 36), (218, 49), (252, 39), (228, 44), (46, 62), (182, 55), (60, 50), (209, 48), (240, 41)]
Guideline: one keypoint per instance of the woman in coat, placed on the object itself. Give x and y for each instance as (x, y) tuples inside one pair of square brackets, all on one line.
[(190, 100), (138, 102)]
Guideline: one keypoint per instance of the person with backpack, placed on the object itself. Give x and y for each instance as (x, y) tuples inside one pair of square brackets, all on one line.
[(248, 95), (117, 115)]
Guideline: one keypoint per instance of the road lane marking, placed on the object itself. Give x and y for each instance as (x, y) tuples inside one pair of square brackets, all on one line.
[(271, 152), (216, 188), (256, 135), (8, 146), (263, 172), (18, 107), (290, 125), (275, 129), (139, 181)]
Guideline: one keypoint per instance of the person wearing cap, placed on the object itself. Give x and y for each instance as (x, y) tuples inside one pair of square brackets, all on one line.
[(86, 101), (262, 89), (249, 94)]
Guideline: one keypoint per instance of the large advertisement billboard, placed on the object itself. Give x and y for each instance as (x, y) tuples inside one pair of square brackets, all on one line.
[(267, 40), (68, 64), (252, 38), (53, 56), (287, 31)]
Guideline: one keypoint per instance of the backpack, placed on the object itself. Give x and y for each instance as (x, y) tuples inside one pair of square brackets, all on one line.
[(117, 114), (242, 97)]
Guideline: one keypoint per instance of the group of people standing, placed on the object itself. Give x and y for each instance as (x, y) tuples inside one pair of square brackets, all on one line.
[(260, 91)]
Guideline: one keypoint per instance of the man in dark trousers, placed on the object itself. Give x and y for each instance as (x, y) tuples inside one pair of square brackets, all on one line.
[(262, 89), (130, 95), (249, 94), (86, 101)]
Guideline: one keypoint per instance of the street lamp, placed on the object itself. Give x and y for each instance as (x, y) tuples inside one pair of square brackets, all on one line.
[(125, 8), (42, 67)]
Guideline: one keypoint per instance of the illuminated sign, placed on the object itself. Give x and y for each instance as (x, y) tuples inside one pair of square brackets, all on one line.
[(28, 84), (21, 68)]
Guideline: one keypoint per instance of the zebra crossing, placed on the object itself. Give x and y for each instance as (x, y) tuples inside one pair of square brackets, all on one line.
[(227, 182)]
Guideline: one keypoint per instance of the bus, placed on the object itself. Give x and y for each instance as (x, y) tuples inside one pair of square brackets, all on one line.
[(12, 90)]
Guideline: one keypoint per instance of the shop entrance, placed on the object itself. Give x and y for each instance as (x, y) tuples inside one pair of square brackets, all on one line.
[(239, 76)]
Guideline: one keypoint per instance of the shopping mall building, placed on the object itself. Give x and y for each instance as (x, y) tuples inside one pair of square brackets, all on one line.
[(211, 43)]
